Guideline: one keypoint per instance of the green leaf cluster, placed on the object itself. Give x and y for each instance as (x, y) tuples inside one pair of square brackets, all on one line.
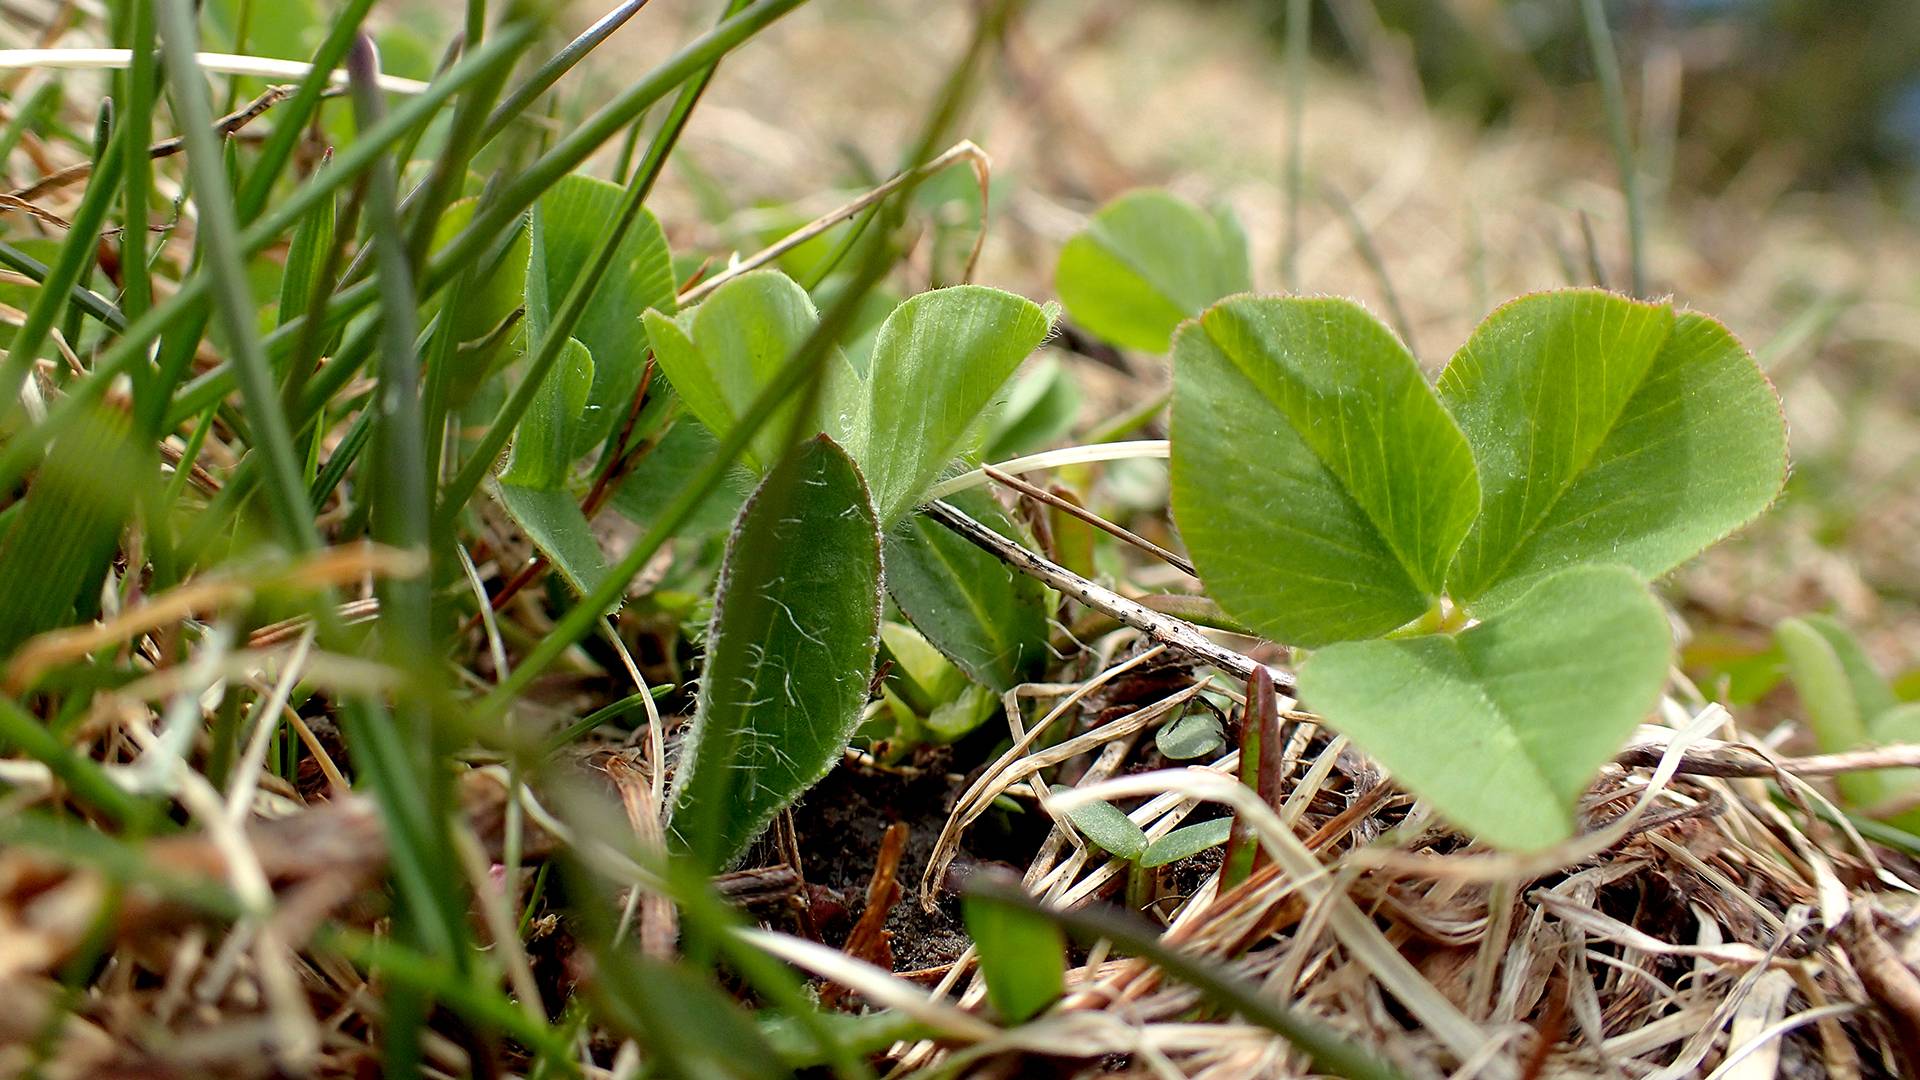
[(787, 610), (1579, 444)]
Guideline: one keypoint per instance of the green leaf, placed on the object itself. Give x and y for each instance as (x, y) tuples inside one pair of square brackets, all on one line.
[(1146, 262), (1606, 430), (925, 677), (1871, 692), (569, 221), (1023, 957), (989, 619), (1900, 724), (953, 720), (1502, 726), (286, 29), (937, 364), (307, 255), (542, 453), (493, 297), (720, 355), (789, 652), (65, 532), (1040, 408), (553, 522), (1320, 487), (1108, 827), (1194, 735), (682, 452), (1837, 686), (1186, 842)]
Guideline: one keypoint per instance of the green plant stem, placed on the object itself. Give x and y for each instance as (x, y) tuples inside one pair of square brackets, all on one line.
[(188, 303), (83, 298), (1299, 39), (137, 87), (467, 481), (87, 780), (226, 265), (549, 73), (1606, 64), (516, 197), (292, 114), (75, 256)]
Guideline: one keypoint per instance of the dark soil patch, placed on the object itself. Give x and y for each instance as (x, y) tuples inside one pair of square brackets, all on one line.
[(840, 824)]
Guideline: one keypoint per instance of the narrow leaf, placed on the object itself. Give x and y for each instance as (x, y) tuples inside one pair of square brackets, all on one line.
[(1503, 726), (1145, 263), (1194, 735), (1107, 826), (306, 260), (1186, 842), (64, 534), (1606, 430), (795, 626), (1828, 692), (989, 619), (939, 360), (1022, 957), (1320, 487)]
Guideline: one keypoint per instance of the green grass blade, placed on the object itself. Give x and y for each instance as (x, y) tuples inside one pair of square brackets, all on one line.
[(1606, 64), (226, 266), (68, 271)]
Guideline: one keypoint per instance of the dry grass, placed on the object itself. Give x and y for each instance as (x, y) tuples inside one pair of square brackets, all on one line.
[(1732, 926)]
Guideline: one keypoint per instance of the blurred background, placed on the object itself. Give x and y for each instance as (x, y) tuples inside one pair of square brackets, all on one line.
[(1450, 154)]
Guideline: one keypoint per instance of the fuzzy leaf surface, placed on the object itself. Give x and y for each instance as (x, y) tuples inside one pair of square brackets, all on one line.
[(1146, 262), (789, 651), (1503, 726), (1606, 430), (1319, 485), (1108, 827)]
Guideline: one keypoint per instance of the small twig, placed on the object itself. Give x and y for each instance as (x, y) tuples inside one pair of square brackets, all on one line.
[(1709, 757), (964, 149), (226, 125), (1606, 64), (1075, 509), (1166, 630), (869, 940), (15, 202)]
